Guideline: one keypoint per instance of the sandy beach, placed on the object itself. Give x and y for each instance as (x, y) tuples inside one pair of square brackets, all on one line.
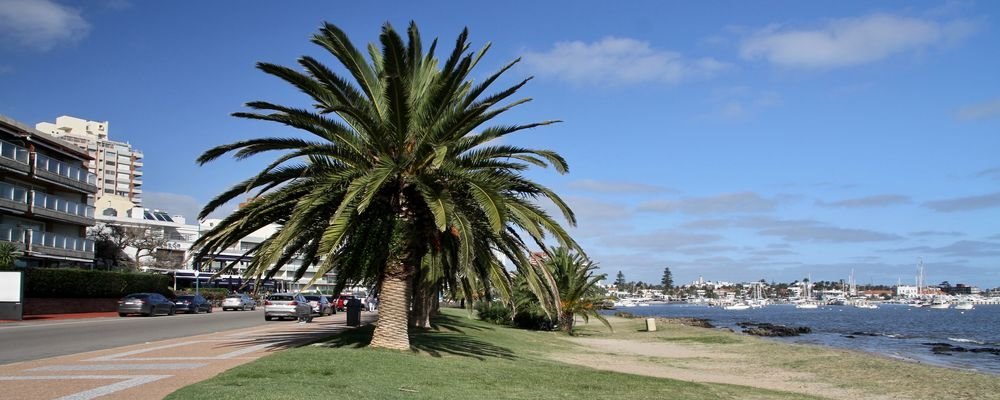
[(707, 355)]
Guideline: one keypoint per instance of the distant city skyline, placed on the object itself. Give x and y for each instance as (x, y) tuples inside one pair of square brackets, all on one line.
[(775, 140)]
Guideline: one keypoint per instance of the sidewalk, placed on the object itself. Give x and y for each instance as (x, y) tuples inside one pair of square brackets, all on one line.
[(153, 370), (47, 317)]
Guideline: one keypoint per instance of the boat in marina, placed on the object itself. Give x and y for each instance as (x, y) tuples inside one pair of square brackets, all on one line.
[(939, 304), (865, 304), (737, 307), (808, 303), (964, 305)]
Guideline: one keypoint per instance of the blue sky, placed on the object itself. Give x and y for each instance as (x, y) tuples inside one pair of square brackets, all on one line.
[(735, 140)]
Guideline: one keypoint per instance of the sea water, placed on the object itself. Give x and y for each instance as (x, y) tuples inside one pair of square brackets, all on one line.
[(893, 330)]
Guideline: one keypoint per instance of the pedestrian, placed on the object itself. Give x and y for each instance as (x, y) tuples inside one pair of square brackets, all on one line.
[(370, 301)]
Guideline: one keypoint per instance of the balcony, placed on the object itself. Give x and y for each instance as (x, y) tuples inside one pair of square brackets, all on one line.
[(62, 173), (54, 207), (14, 235), (48, 243), (13, 197), (14, 157), (124, 160)]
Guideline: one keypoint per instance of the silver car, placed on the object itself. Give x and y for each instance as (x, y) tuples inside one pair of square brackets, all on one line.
[(240, 302), (287, 305)]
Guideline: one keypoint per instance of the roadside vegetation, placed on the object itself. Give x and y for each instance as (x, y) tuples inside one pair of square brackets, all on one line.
[(458, 358)]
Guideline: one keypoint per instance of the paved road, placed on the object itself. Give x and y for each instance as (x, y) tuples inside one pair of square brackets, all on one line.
[(24, 341)]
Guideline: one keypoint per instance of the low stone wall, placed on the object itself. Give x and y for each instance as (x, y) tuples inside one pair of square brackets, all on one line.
[(51, 305)]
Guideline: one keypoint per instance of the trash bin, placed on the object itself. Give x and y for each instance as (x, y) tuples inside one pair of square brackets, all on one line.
[(354, 312), (650, 324)]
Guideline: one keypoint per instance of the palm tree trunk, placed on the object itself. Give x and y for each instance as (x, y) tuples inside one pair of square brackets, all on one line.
[(566, 321), (393, 309)]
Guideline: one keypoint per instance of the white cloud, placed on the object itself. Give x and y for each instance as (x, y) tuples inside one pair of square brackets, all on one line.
[(968, 203), (850, 41), (660, 241), (724, 203), (868, 201), (40, 24), (618, 61), (188, 206), (592, 185), (985, 110)]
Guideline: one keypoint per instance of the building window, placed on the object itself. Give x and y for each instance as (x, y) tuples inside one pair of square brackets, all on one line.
[(112, 163), (110, 212), (112, 191)]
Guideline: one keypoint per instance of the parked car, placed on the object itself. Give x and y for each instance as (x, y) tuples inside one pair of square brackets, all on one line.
[(342, 301), (240, 302), (147, 304), (192, 304), (320, 304), (287, 305)]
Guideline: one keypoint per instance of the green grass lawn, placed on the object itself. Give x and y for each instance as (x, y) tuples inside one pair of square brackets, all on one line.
[(460, 358)]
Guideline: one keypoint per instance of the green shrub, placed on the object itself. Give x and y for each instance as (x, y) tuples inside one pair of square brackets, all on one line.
[(494, 312), (60, 282)]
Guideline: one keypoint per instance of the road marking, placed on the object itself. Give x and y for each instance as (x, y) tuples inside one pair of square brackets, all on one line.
[(226, 356), (130, 381), (119, 367)]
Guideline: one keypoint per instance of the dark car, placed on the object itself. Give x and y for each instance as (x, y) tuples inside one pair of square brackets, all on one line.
[(192, 304), (147, 304), (320, 304)]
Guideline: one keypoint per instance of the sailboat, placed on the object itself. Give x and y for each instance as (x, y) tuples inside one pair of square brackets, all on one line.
[(808, 304)]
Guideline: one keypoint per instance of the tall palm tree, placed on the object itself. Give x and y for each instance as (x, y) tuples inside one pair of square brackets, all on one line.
[(577, 286), (400, 167)]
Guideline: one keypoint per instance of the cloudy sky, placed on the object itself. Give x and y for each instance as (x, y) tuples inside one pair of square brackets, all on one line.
[(737, 140)]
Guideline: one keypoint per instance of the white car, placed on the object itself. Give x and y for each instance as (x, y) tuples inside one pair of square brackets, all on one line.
[(287, 305), (240, 302)]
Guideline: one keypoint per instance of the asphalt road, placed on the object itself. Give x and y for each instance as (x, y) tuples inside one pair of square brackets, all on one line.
[(24, 341)]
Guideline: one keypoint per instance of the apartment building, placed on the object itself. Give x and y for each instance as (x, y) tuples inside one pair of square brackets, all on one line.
[(117, 165), (44, 190)]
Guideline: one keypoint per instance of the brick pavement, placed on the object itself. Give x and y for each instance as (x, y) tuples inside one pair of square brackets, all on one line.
[(155, 369)]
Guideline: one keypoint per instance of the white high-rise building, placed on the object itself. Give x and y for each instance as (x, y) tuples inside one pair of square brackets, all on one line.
[(117, 165)]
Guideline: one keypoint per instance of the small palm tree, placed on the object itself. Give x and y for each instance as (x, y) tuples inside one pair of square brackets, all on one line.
[(399, 167), (577, 286), (8, 254)]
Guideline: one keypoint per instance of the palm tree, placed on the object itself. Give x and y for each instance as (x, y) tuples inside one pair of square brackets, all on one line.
[(400, 168), (8, 255), (577, 286)]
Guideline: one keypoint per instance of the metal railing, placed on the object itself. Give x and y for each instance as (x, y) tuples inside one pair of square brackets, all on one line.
[(57, 241), (13, 152), (62, 205), (63, 169), (13, 193), (10, 233)]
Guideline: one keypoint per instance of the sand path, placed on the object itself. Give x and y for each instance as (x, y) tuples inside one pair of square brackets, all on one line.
[(698, 363)]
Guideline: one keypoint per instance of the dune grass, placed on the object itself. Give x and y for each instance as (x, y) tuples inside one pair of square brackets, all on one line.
[(460, 358)]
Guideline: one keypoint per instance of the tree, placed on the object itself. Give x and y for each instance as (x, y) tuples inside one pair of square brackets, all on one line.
[(576, 285), (620, 281), (667, 281), (8, 255), (111, 241), (401, 187)]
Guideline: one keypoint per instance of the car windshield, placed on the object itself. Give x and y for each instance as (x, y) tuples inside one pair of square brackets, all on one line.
[(312, 298), (281, 297), (234, 296), (137, 296), (185, 297)]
